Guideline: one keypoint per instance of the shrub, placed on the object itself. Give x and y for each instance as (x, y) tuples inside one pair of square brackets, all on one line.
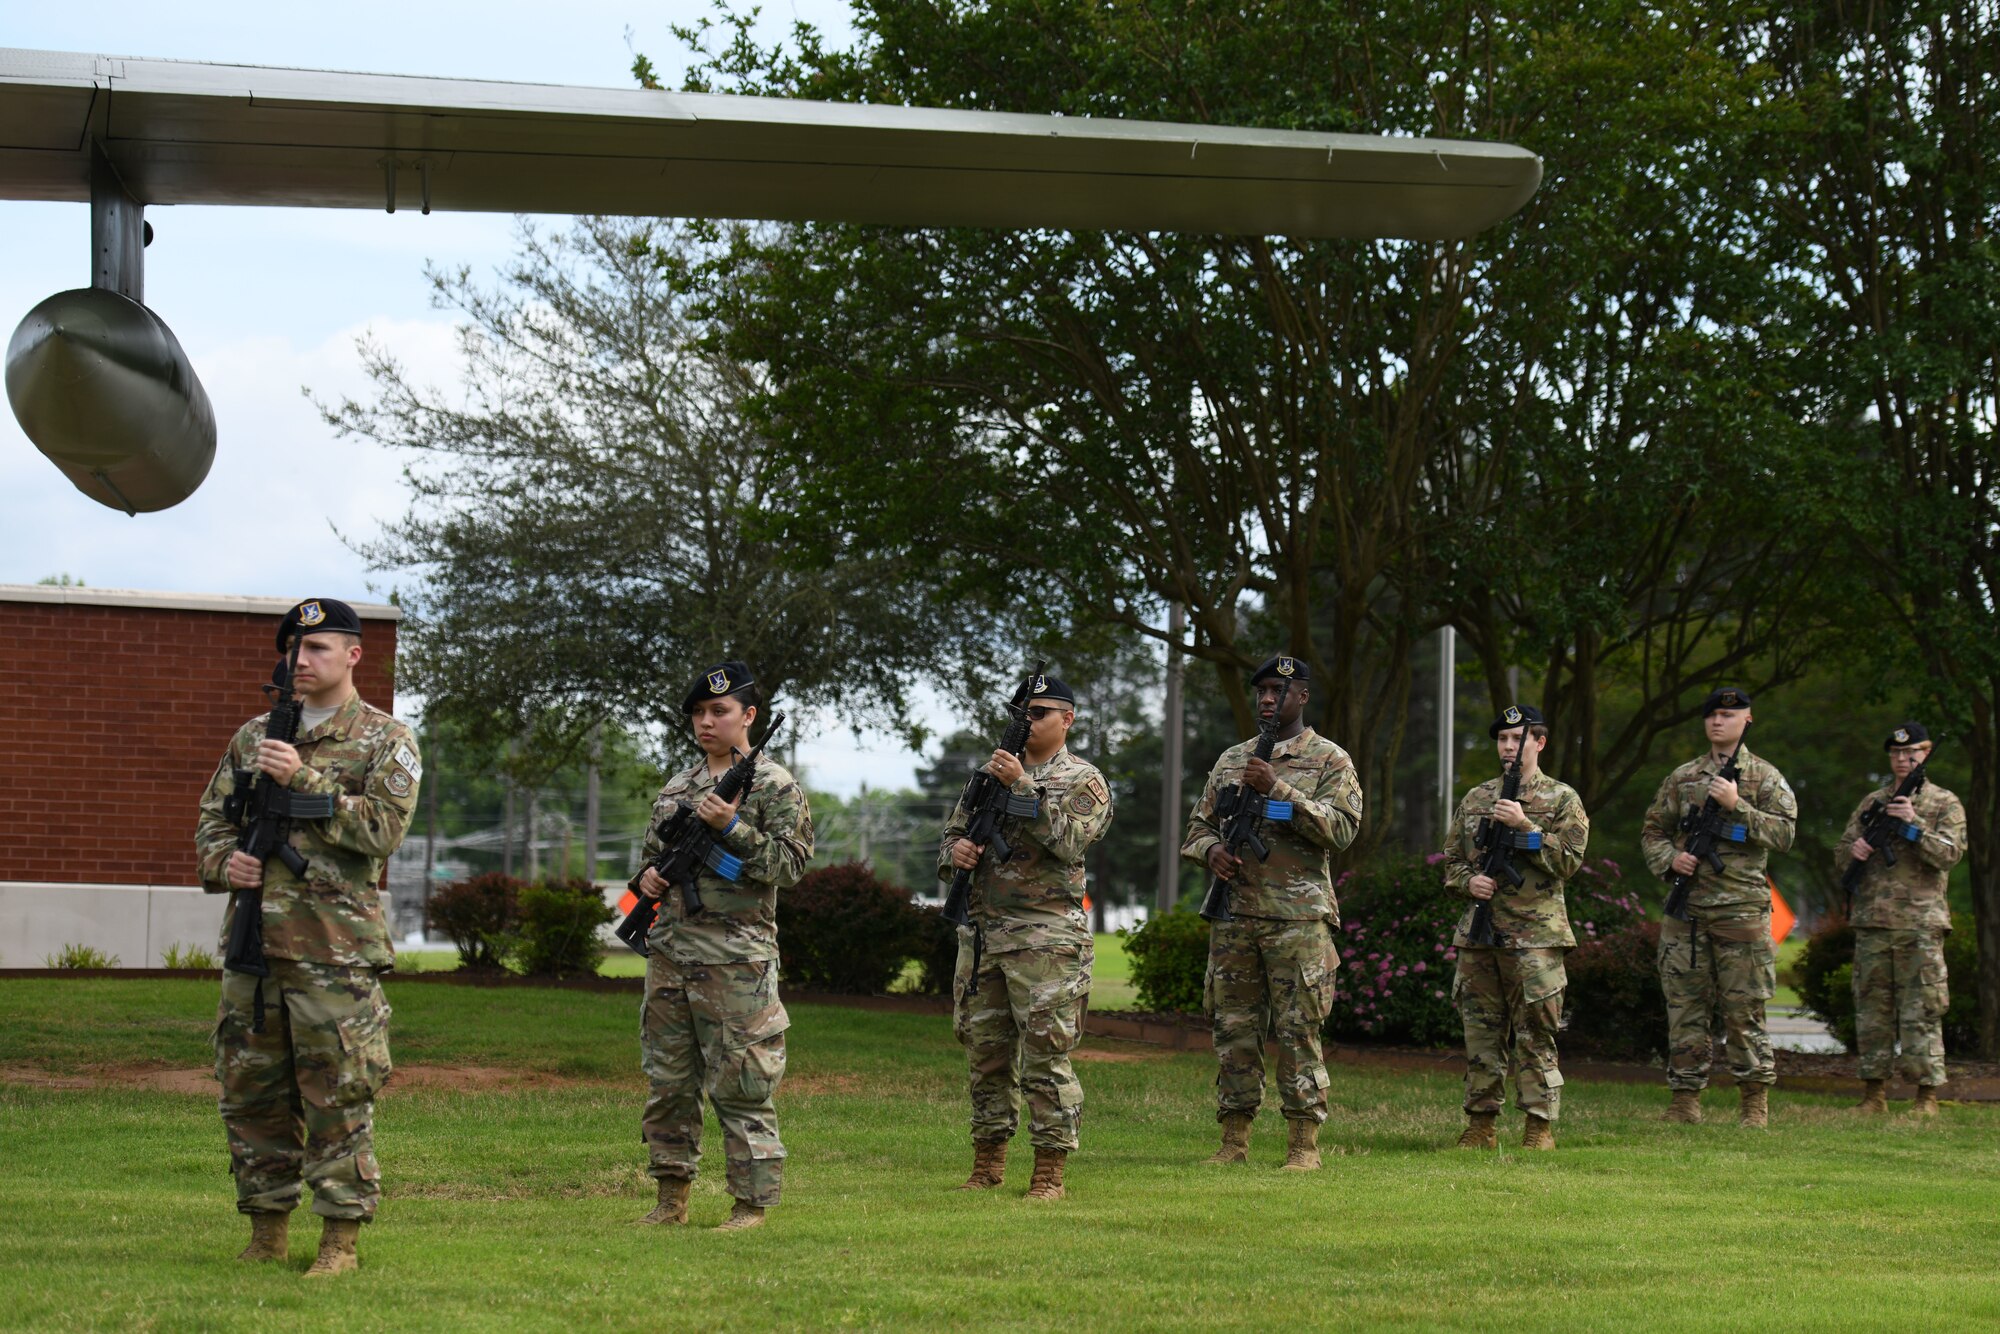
[(187, 956), (844, 929), (79, 956), (1169, 954), (481, 917), (1614, 1006), (937, 952), (1824, 978), (1396, 956), (558, 928)]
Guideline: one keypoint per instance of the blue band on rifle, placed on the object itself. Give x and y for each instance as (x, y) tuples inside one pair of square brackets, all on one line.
[(727, 865), (1739, 833), (1278, 811), (1024, 808), (1912, 833), (1528, 842)]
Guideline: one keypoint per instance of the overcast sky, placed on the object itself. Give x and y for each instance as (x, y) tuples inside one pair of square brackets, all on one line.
[(269, 301)]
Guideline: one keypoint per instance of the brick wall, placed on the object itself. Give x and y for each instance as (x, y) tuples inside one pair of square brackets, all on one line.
[(112, 719)]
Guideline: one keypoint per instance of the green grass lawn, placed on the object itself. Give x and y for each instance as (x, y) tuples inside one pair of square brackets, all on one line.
[(512, 1208)]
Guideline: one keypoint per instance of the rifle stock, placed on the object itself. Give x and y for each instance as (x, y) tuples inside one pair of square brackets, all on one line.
[(1242, 811)]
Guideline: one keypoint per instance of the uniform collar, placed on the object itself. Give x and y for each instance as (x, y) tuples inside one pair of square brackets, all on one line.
[(1046, 765), (1706, 764), (1284, 750), (341, 725)]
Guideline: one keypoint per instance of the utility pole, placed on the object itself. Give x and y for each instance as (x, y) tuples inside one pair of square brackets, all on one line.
[(1169, 890), (1447, 707), (431, 833), (534, 849), (591, 802)]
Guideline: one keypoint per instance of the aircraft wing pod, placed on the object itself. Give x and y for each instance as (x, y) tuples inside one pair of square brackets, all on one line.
[(181, 132)]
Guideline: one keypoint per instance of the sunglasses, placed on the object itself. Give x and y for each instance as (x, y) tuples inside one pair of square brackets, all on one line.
[(1037, 712)]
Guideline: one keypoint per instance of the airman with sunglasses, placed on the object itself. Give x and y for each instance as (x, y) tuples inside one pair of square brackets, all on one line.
[(1023, 976)]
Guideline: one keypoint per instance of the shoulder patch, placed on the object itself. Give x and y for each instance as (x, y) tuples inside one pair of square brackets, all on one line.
[(400, 782), (408, 759), (1088, 795)]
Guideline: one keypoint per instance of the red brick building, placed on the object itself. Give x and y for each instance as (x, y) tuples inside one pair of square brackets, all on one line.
[(114, 709)]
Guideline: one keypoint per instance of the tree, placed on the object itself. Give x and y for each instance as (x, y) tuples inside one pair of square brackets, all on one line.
[(592, 519)]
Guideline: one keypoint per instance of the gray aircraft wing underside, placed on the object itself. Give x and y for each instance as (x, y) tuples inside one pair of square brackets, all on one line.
[(182, 132)]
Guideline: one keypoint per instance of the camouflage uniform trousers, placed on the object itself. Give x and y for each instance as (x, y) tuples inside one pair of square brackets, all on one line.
[(1722, 966), (1510, 1001), (298, 1098), (719, 1029), (1018, 1026), (1270, 975), (1900, 995)]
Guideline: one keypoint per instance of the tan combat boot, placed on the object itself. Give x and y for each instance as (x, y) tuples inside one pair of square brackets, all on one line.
[(1047, 1183), (1235, 1140), (336, 1249), (742, 1217), (1301, 1146), (1874, 1097), (1481, 1131), (1926, 1103), (1756, 1110), (270, 1237), (989, 1165), (673, 1206), (1540, 1134), (1686, 1107)]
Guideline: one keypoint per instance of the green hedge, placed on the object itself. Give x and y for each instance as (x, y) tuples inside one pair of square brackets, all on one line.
[(558, 929), (842, 928), (1169, 954)]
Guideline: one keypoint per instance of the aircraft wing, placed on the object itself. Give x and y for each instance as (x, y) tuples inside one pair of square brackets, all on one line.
[(182, 132)]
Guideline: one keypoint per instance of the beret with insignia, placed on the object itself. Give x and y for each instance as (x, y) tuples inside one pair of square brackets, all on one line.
[(318, 615), (1515, 715), (725, 678), (1043, 686), (1283, 668), (1726, 697), (1907, 734)]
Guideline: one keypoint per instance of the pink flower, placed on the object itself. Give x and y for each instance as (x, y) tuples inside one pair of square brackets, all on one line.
[(1434, 859), (1419, 966)]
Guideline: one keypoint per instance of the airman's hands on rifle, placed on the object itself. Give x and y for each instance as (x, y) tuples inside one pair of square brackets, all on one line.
[(1685, 863), (1260, 775), (243, 871), (1862, 849), (651, 883), (1724, 792), (1005, 766), (717, 813), (965, 854), (1510, 814), (1222, 863), (1903, 809), (278, 760), (1483, 887)]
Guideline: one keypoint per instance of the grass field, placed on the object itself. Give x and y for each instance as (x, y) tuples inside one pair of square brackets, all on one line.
[(510, 1189)]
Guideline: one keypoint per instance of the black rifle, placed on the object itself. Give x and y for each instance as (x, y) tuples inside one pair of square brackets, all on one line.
[(264, 810), (1242, 809), (1705, 828), (688, 847), (1883, 831), (1497, 845), (989, 804)]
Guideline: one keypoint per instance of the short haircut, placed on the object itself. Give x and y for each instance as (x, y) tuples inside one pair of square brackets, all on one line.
[(1539, 731)]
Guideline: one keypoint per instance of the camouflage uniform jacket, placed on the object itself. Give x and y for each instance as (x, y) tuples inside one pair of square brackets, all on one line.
[(1318, 778), (334, 915), (1035, 899), (773, 835), (1532, 915), (1910, 893), (1766, 811)]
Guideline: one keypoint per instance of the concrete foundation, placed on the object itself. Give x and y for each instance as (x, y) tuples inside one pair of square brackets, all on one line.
[(135, 923)]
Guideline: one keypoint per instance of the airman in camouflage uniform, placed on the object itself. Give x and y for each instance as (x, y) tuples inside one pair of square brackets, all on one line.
[(1023, 977), (1722, 960), (1510, 994), (1271, 969), (1900, 921), (711, 1021), (302, 1053)]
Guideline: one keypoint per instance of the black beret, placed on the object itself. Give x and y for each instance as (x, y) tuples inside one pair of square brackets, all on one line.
[(1726, 697), (318, 616), (1514, 715), (1043, 686), (725, 678), (1284, 668), (1907, 734)]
